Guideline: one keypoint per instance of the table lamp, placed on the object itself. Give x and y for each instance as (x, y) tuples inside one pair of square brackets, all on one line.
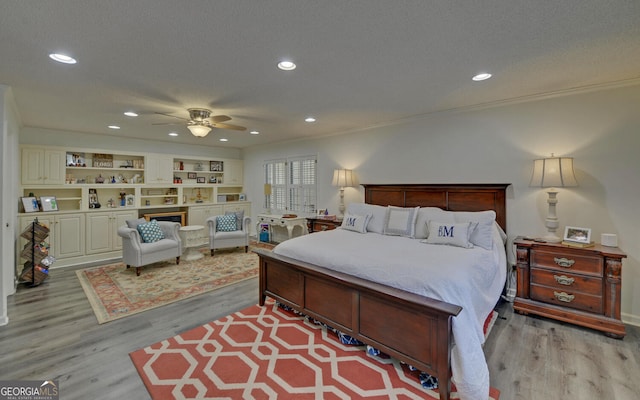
[(343, 178)]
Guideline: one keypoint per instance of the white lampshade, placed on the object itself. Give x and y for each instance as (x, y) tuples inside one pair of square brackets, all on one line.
[(343, 178), (553, 172), (199, 130)]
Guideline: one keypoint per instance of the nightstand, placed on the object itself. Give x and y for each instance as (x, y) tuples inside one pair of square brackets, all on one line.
[(320, 224), (576, 285)]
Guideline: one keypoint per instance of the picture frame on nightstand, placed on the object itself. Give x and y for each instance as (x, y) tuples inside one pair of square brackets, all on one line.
[(574, 234)]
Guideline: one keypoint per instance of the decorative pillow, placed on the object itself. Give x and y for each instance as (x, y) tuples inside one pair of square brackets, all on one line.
[(356, 223), (239, 217), (456, 234), (378, 214), (482, 235), (401, 221), (426, 214), (133, 223), (226, 223), (150, 231)]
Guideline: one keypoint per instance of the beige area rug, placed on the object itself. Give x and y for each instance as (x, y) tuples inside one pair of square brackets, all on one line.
[(115, 292)]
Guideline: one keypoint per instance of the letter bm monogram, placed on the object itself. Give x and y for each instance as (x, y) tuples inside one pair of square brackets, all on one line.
[(443, 231), (351, 221)]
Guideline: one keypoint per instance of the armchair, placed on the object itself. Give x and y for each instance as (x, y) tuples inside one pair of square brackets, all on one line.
[(237, 238), (137, 253)]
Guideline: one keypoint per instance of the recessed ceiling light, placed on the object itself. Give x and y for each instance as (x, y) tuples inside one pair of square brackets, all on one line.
[(254, 132), (224, 140), (130, 114), (286, 65), (173, 134), (62, 58), (481, 77), (310, 119), (113, 127)]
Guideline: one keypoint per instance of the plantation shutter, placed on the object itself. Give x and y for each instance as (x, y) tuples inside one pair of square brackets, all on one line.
[(293, 185)]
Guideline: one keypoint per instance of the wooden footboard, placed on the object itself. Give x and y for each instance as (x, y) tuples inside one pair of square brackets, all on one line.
[(412, 328)]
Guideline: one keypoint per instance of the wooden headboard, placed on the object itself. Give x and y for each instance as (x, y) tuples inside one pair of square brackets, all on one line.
[(451, 197)]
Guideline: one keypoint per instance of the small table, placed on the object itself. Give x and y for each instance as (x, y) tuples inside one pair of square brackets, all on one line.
[(278, 220), (193, 237), (316, 224)]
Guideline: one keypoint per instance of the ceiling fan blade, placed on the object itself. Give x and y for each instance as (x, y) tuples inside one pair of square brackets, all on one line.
[(220, 118), (167, 123), (229, 126), (172, 116)]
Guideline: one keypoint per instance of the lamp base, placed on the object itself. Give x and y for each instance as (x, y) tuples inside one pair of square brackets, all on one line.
[(551, 239)]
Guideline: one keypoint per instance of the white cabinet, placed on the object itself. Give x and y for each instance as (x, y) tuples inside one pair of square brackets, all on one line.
[(199, 214), (246, 207), (159, 169), (233, 172), (66, 236), (42, 166), (102, 230)]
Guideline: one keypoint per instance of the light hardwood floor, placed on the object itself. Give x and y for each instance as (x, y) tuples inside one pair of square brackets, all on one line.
[(53, 334)]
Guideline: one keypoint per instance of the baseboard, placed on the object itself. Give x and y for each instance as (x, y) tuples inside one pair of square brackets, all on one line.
[(630, 319)]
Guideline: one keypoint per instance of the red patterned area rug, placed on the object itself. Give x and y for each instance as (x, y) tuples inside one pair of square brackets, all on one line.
[(268, 353), (115, 292)]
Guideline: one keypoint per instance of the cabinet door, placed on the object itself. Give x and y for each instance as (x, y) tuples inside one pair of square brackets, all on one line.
[(246, 207), (199, 215), (159, 169), (99, 233), (69, 235), (54, 167), (233, 172), (119, 219), (32, 166)]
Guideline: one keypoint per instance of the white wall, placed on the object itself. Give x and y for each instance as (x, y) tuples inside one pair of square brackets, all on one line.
[(600, 129), (9, 129)]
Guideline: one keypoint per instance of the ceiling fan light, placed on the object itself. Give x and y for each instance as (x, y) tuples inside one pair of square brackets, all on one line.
[(199, 130)]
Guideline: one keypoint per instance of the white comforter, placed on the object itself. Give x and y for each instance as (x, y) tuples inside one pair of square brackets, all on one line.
[(471, 278)]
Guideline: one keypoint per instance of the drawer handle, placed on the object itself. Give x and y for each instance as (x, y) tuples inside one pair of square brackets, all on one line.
[(564, 280), (564, 262), (565, 297), (323, 227)]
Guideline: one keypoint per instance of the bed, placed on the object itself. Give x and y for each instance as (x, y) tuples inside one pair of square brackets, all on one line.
[(416, 329)]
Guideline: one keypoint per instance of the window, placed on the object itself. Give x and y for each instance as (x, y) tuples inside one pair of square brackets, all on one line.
[(293, 185)]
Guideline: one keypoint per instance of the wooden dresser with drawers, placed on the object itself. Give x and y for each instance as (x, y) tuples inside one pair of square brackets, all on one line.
[(576, 285)]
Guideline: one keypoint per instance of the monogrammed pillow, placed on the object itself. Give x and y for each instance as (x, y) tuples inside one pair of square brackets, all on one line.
[(356, 223), (453, 234)]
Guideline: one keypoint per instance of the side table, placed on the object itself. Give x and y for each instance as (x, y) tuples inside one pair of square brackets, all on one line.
[(193, 237), (316, 224), (279, 220)]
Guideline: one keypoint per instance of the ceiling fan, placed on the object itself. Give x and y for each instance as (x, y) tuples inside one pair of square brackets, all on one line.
[(200, 122)]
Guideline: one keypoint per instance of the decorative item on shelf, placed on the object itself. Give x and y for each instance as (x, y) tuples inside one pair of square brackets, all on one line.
[(343, 178), (127, 164), (242, 197), (30, 204), (113, 179), (99, 179), (177, 179), (111, 203), (213, 179), (201, 179), (198, 166), (199, 197), (551, 173), (136, 179), (191, 175), (76, 160), (577, 237), (169, 200), (216, 166), (123, 198), (103, 160), (138, 164), (49, 203), (181, 166), (93, 199), (609, 239)]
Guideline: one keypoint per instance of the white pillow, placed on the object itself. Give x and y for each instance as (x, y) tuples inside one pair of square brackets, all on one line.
[(426, 214), (454, 234), (401, 221), (356, 223), (482, 235), (378, 214)]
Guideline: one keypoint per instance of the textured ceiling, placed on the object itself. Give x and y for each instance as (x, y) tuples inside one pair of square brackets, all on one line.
[(360, 62)]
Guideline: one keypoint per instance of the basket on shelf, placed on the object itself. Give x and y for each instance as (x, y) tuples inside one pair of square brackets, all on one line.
[(36, 232), (35, 252)]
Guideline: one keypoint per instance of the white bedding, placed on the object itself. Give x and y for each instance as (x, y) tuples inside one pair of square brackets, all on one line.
[(471, 278)]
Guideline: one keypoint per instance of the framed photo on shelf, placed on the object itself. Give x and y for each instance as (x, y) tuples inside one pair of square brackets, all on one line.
[(321, 211), (191, 175), (216, 166), (577, 235), (49, 203), (30, 204), (242, 197), (201, 179)]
